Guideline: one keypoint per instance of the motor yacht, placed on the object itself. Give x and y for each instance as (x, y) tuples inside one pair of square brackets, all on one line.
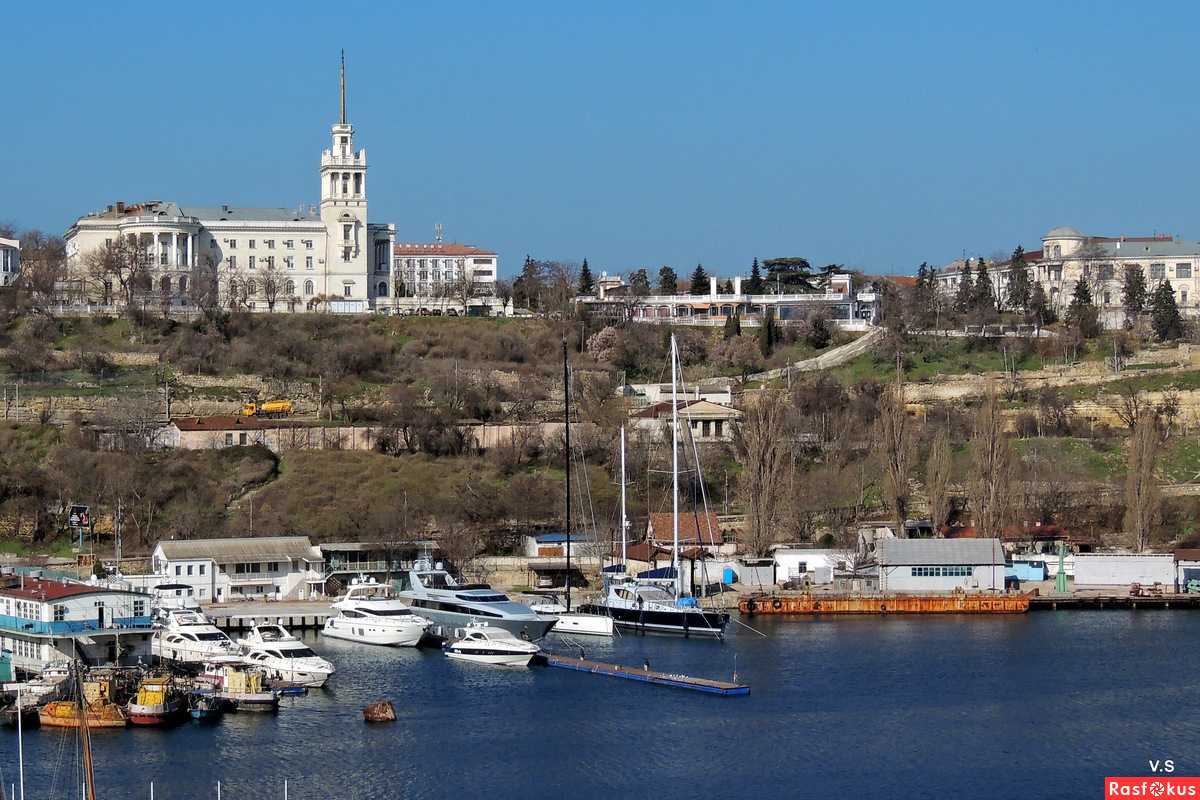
[(187, 637), (433, 592), (284, 657), (371, 613), (486, 644)]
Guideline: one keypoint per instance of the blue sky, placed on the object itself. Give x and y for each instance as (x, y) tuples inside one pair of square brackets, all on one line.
[(874, 135)]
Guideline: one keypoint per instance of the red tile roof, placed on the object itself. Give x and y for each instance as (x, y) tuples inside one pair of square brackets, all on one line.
[(233, 423), (42, 589), (693, 528), (439, 249)]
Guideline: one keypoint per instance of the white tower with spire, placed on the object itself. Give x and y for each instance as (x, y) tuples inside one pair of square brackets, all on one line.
[(344, 210)]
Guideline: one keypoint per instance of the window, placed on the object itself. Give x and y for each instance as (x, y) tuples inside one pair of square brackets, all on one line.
[(289, 262), (288, 244), (139, 608), (60, 613), (308, 287), (178, 569), (250, 244), (717, 425), (481, 261), (229, 440), (308, 244), (232, 243), (251, 262), (241, 438), (1183, 270), (357, 183), (346, 232), (381, 289), (308, 262), (289, 288), (272, 566), (345, 184), (232, 261), (202, 568), (346, 290), (190, 568), (1106, 272), (1158, 272), (1107, 299), (1058, 251), (1183, 297), (270, 262), (251, 286), (270, 243), (345, 254)]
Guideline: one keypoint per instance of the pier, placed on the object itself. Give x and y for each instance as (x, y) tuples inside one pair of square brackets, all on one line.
[(293, 622), (647, 676), (1068, 602)]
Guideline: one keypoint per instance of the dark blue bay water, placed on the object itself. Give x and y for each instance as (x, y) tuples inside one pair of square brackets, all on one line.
[(1043, 705)]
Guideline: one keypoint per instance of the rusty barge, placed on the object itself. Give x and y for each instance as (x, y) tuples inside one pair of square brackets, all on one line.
[(960, 603)]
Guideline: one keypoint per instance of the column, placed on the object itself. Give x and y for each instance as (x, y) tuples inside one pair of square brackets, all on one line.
[(157, 248), (174, 255), (192, 250)]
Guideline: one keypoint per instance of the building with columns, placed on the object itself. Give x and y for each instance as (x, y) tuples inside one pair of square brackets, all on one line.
[(10, 261), (1068, 256), (324, 258)]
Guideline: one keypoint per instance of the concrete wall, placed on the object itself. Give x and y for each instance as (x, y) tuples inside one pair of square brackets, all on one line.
[(1122, 569), (983, 578)]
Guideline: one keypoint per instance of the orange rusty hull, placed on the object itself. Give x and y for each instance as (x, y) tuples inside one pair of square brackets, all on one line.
[(886, 604)]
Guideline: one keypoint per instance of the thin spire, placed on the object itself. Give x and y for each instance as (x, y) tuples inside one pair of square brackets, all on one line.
[(342, 88)]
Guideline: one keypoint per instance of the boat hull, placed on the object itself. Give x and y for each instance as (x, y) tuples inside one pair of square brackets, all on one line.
[(701, 624), (528, 629), (495, 658), (164, 714), (406, 636), (886, 604), (65, 714), (265, 702), (584, 624)]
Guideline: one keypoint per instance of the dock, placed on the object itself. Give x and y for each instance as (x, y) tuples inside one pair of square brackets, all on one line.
[(293, 622), (1069, 602), (647, 676)]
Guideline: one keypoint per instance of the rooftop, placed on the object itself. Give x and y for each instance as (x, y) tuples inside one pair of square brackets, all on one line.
[(694, 526), (690, 408), (232, 423), (439, 249), (242, 549), (43, 589), (207, 213), (904, 552)]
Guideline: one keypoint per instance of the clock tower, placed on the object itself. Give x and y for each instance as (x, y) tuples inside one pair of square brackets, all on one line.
[(344, 209)]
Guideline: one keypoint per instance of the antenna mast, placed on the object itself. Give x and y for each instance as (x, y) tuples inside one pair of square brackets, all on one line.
[(342, 89)]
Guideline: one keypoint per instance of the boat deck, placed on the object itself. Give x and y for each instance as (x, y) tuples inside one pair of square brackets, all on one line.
[(647, 676)]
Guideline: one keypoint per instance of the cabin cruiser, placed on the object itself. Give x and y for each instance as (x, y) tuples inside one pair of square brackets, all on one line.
[(284, 657), (189, 638), (242, 686), (168, 597), (434, 592), (371, 613), (649, 606), (487, 644), (571, 622)]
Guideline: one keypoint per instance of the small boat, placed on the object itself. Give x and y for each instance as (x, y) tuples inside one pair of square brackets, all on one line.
[(371, 614), (244, 687), (28, 713), (487, 644), (206, 706), (159, 701), (284, 657), (102, 712)]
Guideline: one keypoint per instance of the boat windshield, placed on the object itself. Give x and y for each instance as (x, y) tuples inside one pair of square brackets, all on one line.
[(215, 636), (483, 598), (656, 595), (437, 580), (386, 612)]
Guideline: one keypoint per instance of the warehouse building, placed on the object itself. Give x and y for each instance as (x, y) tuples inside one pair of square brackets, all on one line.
[(1101, 570), (940, 565)]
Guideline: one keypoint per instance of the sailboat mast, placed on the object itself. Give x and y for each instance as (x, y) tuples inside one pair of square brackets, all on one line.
[(89, 778), (675, 469), (20, 745), (624, 524), (567, 429)]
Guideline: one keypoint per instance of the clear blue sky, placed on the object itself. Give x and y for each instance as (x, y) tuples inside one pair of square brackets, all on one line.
[(875, 135)]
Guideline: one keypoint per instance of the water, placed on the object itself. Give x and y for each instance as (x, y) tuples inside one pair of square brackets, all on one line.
[(1041, 705)]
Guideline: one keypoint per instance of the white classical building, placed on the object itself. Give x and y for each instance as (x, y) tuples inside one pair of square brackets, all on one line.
[(278, 259), (10, 261), (1068, 256), (440, 275)]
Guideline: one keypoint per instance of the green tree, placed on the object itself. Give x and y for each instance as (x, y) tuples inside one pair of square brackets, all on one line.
[(527, 288), (1133, 291), (755, 283), (984, 299), (1040, 306), (965, 297), (767, 335), (587, 284), (639, 283), (1082, 312), (1168, 324), (1020, 292), (789, 274), (668, 281), (733, 327), (699, 281), (819, 335), (726, 287)]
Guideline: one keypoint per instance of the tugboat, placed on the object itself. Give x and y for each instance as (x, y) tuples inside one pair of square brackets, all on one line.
[(158, 702)]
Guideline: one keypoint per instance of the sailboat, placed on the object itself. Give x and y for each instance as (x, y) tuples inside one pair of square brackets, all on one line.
[(658, 605), (580, 622)]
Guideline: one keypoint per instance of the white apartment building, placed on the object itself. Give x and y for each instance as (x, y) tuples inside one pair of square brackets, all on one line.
[(430, 275), (1068, 256), (221, 570), (266, 259), (10, 261)]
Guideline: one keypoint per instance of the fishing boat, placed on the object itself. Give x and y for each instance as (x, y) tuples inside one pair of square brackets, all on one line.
[(99, 708), (242, 686), (20, 711), (485, 644), (284, 657), (656, 603), (159, 701), (205, 705), (369, 613)]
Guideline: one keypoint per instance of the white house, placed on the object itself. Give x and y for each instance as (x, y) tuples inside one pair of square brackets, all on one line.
[(1123, 569), (707, 422), (10, 261), (940, 565), (46, 621), (647, 394), (222, 570), (818, 566)]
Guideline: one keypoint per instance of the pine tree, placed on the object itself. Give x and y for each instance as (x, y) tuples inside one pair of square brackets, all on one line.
[(1168, 324), (767, 334), (965, 297), (1133, 290), (732, 327), (755, 284), (984, 299), (639, 283), (699, 281), (668, 281), (587, 284), (726, 287), (1019, 289), (1082, 312), (1039, 306)]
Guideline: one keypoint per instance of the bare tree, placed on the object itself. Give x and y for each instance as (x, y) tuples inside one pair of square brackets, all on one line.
[(1129, 404), (465, 288), (272, 287), (764, 448), (43, 269), (938, 477), (121, 266), (992, 470), (204, 286), (1143, 498), (893, 446)]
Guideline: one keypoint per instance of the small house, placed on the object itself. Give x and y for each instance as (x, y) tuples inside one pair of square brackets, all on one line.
[(941, 565)]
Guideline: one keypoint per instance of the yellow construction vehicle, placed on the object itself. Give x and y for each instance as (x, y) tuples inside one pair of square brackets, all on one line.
[(271, 408)]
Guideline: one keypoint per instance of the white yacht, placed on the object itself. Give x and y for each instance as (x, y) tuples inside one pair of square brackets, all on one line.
[(487, 644), (371, 614), (284, 657), (187, 637), (434, 592), (570, 622)]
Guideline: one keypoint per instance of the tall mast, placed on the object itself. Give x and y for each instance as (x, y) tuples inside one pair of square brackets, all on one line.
[(20, 746), (624, 524), (342, 89), (567, 428), (675, 470), (89, 778)]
